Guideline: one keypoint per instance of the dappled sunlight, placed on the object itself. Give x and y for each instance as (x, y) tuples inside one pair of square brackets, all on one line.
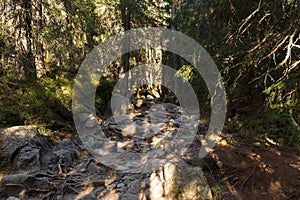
[(88, 189), (266, 168), (250, 173), (94, 107), (275, 188), (18, 131), (156, 188), (179, 181), (295, 166), (111, 195)]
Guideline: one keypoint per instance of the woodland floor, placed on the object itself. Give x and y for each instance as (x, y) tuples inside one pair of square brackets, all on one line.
[(237, 169)]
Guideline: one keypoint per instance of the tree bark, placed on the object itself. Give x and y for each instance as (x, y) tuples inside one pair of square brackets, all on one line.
[(39, 51), (125, 65), (29, 64)]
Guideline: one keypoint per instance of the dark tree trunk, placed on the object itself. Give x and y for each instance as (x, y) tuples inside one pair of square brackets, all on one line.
[(39, 56), (125, 65), (29, 64)]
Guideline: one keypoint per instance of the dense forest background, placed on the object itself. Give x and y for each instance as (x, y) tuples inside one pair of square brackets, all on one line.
[(255, 44)]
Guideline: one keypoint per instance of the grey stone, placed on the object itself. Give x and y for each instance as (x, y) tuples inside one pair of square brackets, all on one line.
[(89, 196), (66, 153), (59, 197), (23, 148), (13, 185), (128, 179), (114, 127), (13, 190), (120, 185), (132, 164), (122, 189), (12, 198), (172, 108), (93, 168), (99, 190), (14, 179), (125, 146), (185, 182), (122, 120), (111, 186), (28, 158), (156, 185), (158, 117), (92, 122), (130, 196), (96, 182), (82, 170), (134, 187), (120, 104)]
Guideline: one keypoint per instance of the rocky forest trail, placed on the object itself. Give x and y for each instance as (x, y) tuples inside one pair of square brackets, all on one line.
[(33, 167)]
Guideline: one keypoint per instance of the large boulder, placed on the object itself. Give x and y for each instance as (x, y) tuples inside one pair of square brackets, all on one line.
[(25, 186), (13, 185), (179, 181), (22, 149), (64, 155)]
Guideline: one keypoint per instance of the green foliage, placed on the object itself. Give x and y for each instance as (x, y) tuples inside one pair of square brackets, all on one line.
[(254, 46), (187, 72), (104, 92), (285, 93), (55, 135), (216, 191), (274, 123), (44, 102)]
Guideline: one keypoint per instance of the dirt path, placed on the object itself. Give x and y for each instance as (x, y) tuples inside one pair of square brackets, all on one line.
[(237, 169)]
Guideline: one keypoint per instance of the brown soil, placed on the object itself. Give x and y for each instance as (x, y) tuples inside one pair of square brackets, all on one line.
[(238, 169)]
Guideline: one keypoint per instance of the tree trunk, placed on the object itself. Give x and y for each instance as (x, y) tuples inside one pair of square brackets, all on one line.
[(39, 55), (173, 27), (2, 41), (125, 65), (29, 64)]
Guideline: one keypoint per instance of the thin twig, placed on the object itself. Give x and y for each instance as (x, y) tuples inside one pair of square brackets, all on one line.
[(248, 177)]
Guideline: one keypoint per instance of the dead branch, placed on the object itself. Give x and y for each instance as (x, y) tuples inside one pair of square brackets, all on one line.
[(275, 49), (245, 181), (241, 28)]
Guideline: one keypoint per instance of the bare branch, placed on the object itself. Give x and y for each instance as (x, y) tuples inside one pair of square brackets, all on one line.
[(241, 28), (289, 51), (248, 18)]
